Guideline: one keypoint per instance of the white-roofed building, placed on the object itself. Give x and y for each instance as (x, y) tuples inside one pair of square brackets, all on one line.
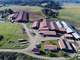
[(64, 24), (70, 30), (76, 35), (59, 24), (60, 27)]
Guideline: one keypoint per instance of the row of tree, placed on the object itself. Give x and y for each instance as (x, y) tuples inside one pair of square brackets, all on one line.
[(51, 9), (48, 5), (5, 12)]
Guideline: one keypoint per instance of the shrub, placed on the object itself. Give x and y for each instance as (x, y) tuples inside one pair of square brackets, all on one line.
[(1, 37)]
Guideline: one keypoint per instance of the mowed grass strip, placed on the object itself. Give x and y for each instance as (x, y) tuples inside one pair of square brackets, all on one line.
[(11, 32)]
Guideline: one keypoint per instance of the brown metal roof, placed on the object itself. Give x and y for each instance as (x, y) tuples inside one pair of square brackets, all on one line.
[(68, 35), (61, 44), (43, 29), (35, 24), (51, 25), (50, 47), (43, 23), (48, 32), (21, 17)]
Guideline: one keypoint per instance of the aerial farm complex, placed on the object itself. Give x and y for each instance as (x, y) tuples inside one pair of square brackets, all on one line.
[(59, 29), (39, 36), (51, 38)]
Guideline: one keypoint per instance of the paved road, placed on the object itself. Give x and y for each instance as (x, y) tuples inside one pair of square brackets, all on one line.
[(32, 39)]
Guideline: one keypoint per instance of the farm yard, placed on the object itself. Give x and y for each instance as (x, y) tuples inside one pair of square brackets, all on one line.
[(11, 33)]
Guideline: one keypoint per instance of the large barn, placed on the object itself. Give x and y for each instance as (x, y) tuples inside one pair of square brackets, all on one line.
[(55, 28), (21, 17)]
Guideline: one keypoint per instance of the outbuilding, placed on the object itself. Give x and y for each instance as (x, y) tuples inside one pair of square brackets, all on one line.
[(35, 25), (21, 17)]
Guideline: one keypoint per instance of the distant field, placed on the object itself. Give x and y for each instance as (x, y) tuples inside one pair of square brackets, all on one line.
[(11, 33), (71, 14), (34, 9), (18, 7)]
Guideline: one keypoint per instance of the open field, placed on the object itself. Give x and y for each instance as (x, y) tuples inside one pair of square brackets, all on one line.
[(71, 14), (18, 8), (11, 33)]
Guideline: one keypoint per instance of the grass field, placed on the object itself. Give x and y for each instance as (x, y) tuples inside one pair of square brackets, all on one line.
[(20, 8), (11, 32), (71, 14)]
